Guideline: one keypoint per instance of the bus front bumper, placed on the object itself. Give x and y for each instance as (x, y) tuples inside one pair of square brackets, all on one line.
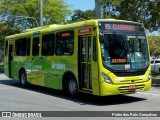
[(113, 89)]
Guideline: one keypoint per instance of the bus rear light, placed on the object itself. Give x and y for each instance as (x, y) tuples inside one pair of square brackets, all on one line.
[(107, 79)]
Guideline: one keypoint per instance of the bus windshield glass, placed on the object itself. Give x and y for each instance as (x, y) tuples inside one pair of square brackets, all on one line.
[(124, 47)]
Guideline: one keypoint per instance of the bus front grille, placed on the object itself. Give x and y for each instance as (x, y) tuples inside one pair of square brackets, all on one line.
[(127, 90)]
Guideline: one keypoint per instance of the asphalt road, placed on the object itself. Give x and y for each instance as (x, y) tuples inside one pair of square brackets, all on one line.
[(35, 98)]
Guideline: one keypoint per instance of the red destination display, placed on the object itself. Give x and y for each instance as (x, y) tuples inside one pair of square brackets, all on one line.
[(84, 30), (66, 34)]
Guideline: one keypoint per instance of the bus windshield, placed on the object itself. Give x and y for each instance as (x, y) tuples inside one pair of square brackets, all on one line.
[(124, 51)]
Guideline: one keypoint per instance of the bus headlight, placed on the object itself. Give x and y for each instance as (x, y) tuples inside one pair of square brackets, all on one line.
[(149, 76), (107, 79)]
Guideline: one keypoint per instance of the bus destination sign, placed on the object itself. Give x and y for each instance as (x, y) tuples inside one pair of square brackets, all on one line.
[(125, 27)]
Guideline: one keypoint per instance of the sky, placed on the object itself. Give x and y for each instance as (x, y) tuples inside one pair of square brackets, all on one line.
[(81, 4)]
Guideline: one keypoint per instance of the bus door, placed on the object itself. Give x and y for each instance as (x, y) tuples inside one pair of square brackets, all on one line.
[(10, 58), (85, 67)]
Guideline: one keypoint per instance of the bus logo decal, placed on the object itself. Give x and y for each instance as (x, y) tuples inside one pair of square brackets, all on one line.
[(59, 66)]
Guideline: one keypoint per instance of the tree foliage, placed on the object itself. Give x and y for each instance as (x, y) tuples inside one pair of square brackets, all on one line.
[(5, 30), (79, 15), (154, 45), (145, 11), (54, 12)]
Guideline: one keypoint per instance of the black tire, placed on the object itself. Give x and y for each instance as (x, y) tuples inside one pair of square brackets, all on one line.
[(23, 79), (70, 87)]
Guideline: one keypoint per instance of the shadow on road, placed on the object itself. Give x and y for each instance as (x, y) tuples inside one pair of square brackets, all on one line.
[(81, 99)]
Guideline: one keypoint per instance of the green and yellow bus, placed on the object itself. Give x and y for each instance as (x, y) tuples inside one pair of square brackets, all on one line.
[(100, 57)]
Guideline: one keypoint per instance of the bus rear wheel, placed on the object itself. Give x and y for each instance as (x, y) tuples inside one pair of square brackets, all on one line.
[(23, 79)]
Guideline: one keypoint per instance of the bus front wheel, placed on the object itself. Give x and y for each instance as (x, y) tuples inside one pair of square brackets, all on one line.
[(71, 87), (23, 79)]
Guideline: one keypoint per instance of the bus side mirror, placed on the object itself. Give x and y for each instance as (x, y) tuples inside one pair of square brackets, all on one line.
[(101, 37)]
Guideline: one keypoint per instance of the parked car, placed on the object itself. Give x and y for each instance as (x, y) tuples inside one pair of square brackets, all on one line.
[(155, 65)]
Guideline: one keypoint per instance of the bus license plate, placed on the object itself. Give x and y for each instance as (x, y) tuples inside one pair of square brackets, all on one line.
[(132, 87)]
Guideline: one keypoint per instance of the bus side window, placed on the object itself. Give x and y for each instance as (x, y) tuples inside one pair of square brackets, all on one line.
[(65, 43), (28, 46), (48, 44), (22, 47), (35, 46)]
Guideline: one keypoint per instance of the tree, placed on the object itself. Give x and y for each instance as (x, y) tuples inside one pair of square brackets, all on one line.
[(5, 30), (79, 15), (145, 11), (54, 12), (154, 43)]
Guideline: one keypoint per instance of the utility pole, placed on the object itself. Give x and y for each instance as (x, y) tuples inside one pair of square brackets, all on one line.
[(41, 12), (108, 8), (100, 9), (97, 9)]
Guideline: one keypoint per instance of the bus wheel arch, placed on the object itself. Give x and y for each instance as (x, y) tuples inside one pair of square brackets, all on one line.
[(70, 86), (22, 77)]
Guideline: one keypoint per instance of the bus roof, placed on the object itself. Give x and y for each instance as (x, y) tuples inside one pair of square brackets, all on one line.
[(57, 27)]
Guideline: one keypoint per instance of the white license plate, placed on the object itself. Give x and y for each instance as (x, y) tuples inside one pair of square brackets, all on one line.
[(132, 87)]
